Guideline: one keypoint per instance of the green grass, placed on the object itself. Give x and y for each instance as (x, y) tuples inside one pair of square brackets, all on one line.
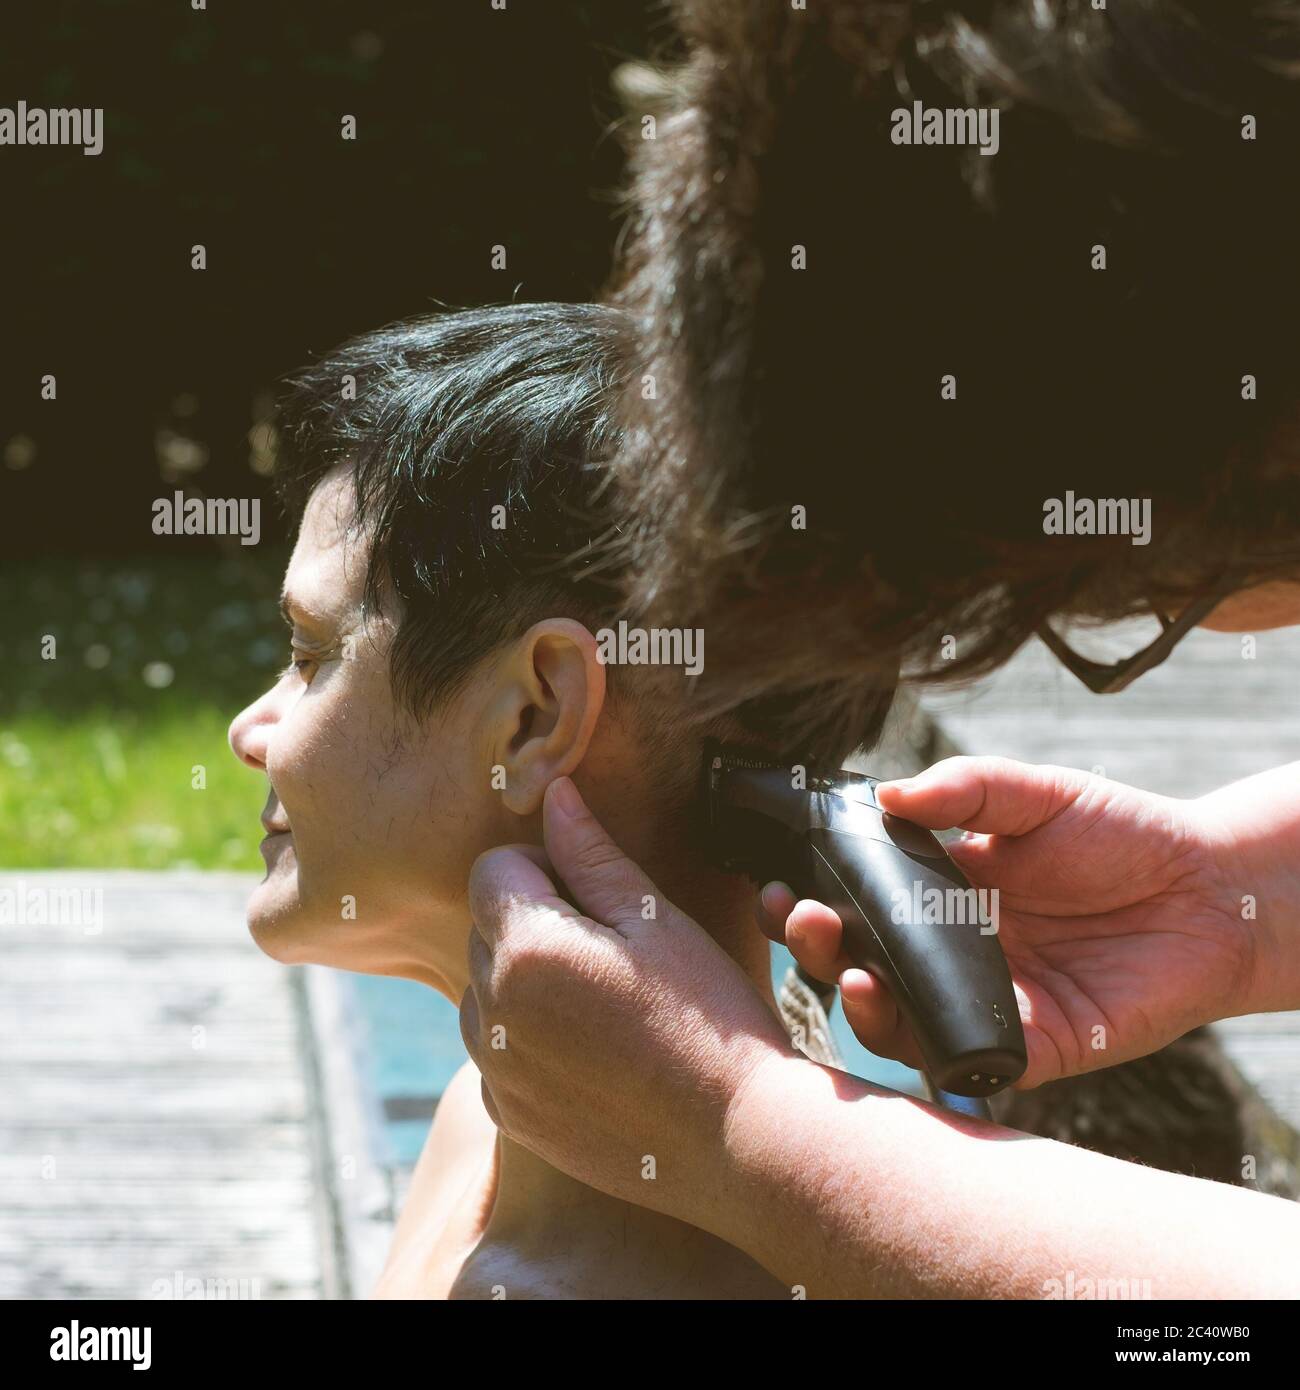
[(99, 741), (105, 790)]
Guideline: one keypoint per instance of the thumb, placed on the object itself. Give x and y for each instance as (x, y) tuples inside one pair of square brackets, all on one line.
[(603, 881), (993, 796)]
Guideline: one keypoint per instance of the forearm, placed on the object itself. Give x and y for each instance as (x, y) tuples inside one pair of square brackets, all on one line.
[(855, 1192), (1252, 834)]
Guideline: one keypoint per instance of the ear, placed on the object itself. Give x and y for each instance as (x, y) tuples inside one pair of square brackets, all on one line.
[(549, 693)]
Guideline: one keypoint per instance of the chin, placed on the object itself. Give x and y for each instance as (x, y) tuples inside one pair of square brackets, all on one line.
[(278, 922), (280, 931)]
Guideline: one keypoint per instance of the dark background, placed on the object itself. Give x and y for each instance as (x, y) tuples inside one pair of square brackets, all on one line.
[(222, 127)]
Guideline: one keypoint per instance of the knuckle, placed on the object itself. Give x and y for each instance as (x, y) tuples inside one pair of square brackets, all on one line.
[(488, 862), (530, 962), (946, 766), (486, 895), (599, 855), (492, 868), (992, 767)]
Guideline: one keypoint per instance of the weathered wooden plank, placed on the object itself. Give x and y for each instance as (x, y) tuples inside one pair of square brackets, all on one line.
[(158, 1167), (130, 1192), (166, 1155), (211, 975), (362, 1206), (172, 1095), (59, 1280), (221, 1047), (117, 1140), (115, 1227)]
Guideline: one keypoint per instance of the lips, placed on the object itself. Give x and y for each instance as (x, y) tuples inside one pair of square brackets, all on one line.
[(273, 824)]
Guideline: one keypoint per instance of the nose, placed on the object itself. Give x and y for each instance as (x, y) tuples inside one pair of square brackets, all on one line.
[(251, 728)]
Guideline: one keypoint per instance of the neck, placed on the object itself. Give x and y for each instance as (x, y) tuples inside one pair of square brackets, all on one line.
[(532, 1197), (532, 1201)]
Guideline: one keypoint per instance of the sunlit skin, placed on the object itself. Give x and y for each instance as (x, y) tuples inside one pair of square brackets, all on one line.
[(375, 820), (1260, 609)]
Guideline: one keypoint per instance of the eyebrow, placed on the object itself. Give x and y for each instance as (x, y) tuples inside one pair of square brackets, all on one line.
[(291, 610)]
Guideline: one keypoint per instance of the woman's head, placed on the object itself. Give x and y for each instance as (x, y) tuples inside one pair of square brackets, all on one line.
[(446, 474)]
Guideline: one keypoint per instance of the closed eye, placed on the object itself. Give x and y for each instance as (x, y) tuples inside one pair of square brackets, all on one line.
[(301, 663)]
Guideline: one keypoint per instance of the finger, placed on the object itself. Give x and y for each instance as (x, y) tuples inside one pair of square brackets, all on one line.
[(603, 881), (489, 1104), (772, 908), (470, 1023), (870, 1010), (501, 879), (1043, 1062), (995, 796), (1013, 863), (480, 967), (814, 936), (538, 855)]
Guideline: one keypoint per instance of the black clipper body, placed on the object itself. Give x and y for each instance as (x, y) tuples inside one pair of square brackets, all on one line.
[(831, 842)]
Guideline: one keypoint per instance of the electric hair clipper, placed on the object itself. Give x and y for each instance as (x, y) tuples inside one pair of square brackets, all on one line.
[(910, 916)]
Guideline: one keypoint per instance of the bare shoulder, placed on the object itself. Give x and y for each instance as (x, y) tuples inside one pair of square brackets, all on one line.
[(497, 1273), (460, 1120), (486, 1276), (461, 1133), (450, 1194), (494, 1272)]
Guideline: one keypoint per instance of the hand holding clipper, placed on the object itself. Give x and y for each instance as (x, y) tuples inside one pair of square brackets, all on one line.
[(909, 914)]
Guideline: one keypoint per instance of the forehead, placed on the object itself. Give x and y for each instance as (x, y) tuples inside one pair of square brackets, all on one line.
[(326, 573)]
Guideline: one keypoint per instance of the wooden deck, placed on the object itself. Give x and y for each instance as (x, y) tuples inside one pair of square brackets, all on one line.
[(156, 1121), (1204, 718)]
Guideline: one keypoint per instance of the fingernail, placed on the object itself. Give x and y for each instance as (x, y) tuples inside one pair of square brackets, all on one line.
[(794, 931), (771, 896), (565, 798)]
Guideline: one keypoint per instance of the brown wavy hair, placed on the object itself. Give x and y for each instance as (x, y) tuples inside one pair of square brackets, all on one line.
[(764, 386)]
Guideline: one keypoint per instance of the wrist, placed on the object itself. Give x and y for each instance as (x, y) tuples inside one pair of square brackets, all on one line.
[(1248, 835)]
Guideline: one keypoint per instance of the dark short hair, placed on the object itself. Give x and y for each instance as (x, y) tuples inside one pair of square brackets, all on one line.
[(454, 422), (475, 439), (779, 386)]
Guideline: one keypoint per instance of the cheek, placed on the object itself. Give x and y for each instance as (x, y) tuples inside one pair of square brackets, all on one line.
[(379, 806), (453, 814), (311, 762), (356, 792)]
